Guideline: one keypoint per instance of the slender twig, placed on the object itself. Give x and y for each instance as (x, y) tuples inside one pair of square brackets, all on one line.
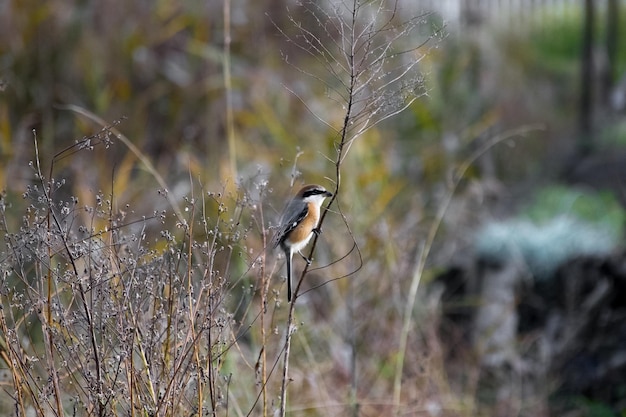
[(48, 316), (424, 250), (136, 151), (370, 83), (230, 119)]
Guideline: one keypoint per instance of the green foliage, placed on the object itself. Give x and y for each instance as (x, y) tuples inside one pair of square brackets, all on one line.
[(613, 135), (556, 37), (561, 224), (595, 409), (556, 40), (542, 247), (600, 209)]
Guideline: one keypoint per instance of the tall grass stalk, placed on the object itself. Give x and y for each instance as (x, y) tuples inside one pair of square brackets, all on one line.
[(370, 61), (424, 251), (101, 317)]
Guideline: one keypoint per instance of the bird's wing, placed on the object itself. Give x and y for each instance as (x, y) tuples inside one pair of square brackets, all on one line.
[(293, 214)]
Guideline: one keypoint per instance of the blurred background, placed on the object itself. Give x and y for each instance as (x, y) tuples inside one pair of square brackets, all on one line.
[(522, 302)]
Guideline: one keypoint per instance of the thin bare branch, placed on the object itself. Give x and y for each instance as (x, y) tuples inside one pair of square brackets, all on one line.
[(378, 85)]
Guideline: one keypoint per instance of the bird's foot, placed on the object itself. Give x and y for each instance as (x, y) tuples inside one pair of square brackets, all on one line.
[(307, 260)]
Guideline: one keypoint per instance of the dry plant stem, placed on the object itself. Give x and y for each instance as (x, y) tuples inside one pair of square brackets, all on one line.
[(101, 400), (47, 321), (340, 155), (265, 281), (192, 311), (14, 362), (383, 87), (283, 388), (290, 319), (193, 304), (211, 371), (230, 124), (175, 206), (290, 322), (353, 42), (129, 376), (143, 158), (144, 363), (427, 245), (127, 354)]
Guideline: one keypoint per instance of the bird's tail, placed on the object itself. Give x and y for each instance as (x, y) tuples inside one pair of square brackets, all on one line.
[(288, 255)]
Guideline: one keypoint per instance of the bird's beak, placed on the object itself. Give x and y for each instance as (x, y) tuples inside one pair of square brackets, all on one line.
[(328, 194)]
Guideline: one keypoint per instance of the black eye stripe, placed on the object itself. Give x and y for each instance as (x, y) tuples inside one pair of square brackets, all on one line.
[(313, 192)]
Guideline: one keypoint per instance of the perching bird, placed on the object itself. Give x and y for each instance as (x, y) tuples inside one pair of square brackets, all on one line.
[(297, 224)]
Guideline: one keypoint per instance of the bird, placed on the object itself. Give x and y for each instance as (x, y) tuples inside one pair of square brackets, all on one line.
[(298, 223)]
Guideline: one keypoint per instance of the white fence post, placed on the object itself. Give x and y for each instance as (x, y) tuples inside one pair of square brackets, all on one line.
[(512, 13)]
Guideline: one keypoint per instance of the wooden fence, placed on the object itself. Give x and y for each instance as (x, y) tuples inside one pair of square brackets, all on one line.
[(508, 13)]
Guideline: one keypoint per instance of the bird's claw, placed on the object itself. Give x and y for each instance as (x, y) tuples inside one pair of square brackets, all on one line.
[(307, 260)]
